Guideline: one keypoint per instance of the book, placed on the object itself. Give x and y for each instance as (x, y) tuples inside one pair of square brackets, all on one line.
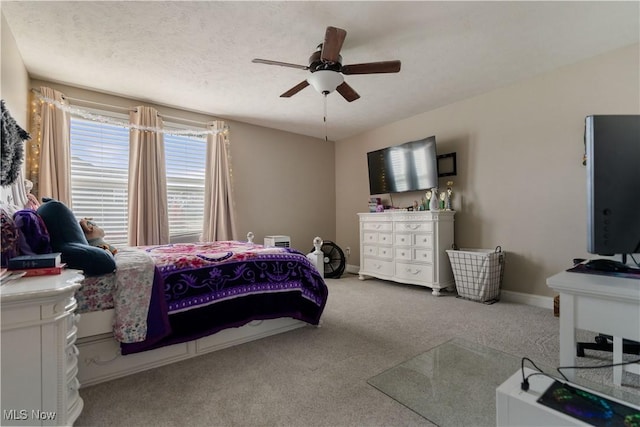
[(23, 262), (44, 271)]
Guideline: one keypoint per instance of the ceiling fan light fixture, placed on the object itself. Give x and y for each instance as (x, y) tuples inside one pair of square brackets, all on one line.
[(325, 81)]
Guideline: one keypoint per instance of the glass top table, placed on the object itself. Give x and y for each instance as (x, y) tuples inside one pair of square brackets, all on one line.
[(455, 383)]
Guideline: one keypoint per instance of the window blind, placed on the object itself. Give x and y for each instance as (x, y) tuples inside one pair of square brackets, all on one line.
[(99, 179), (99, 175), (185, 158)]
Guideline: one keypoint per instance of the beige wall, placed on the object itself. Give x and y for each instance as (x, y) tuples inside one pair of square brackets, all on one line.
[(520, 182), (14, 80), (283, 182)]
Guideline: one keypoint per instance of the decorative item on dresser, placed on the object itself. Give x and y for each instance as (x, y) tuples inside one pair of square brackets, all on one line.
[(407, 247), (39, 355)]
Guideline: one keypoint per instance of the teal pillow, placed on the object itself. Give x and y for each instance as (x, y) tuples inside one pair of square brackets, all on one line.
[(62, 224), (92, 260), (68, 238)]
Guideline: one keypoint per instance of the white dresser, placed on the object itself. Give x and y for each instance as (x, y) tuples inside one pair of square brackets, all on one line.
[(39, 356), (407, 247)]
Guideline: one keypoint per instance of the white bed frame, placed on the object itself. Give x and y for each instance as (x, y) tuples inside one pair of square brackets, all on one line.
[(99, 357)]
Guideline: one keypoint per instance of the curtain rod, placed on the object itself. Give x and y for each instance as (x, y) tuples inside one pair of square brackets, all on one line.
[(164, 116), (127, 109)]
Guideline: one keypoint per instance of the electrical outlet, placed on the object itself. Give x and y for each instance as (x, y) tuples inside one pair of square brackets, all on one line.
[(348, 251)]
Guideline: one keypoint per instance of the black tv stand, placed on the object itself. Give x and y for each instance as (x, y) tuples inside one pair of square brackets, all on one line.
[(604, 343)]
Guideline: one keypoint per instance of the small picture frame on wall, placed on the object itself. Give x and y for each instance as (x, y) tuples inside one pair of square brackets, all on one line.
[(447, 164)]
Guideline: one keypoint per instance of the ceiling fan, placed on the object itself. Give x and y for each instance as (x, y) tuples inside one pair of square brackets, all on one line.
[(326, 68)]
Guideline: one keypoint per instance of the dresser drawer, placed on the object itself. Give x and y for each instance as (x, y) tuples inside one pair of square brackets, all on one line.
[(423, 255), (400, 239), (377, 226), (378, 251), (405, 254), (378, 266), (423, 240), (415, 272), (414, 254), (368, 250), (414, 226), (385, 252), (381, 238)]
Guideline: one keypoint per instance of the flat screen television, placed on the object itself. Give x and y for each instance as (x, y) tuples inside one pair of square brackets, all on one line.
[(612, 145), (411, 166)]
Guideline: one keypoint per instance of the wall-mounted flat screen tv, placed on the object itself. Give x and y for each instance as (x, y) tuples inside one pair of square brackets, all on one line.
[(411, 166)]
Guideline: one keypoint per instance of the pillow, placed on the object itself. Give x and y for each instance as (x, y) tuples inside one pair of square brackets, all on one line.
[(34, 237), (10, 235), (92, 260), (67, 237), (62, 225)]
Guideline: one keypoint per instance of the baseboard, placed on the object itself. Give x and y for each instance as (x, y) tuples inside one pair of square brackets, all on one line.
[(353, 269), (510, 296), (528, 299)]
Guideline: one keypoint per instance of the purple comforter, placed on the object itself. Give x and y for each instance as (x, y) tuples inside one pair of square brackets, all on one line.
[(202, 288)]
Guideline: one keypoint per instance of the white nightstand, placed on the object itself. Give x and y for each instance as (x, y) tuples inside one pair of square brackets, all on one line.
[(39, 356)]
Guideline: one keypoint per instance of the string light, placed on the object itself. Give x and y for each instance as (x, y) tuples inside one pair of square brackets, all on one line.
[(34, 144)]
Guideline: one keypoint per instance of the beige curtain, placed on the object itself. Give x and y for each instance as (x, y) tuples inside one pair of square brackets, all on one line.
[(148, 216), (219, 217), (54, 177)]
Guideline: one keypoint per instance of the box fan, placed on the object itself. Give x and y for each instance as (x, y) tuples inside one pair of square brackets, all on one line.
[(333, 258)]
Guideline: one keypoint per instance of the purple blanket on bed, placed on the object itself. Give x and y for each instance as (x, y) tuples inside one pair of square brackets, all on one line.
[(202, 288)]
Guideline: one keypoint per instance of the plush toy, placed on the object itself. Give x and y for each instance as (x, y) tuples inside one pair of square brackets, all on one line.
[(95, 235)]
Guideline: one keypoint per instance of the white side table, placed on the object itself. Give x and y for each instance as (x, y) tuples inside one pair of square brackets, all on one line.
[(39, 356), (604, 304)]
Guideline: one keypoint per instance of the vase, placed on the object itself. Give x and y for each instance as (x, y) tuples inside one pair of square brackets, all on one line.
[(433, 203)]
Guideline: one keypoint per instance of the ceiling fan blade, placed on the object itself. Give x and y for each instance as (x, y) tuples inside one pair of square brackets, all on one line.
[(372, 68), (347, 92), (282, 64), (333, 40), (297, 88)]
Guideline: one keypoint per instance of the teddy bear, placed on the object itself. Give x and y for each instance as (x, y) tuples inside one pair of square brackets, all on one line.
[(95, 235)]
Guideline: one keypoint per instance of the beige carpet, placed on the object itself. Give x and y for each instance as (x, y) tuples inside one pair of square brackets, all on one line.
[(318, 376)]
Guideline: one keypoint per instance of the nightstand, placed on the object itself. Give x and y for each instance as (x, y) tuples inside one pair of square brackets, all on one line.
[(39, 356)]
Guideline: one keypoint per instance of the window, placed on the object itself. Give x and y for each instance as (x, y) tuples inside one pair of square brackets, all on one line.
[(99, 175), (185, 157), (99, 178)]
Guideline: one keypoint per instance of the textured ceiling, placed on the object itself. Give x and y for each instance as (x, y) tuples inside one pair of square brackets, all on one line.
[(197, 55)]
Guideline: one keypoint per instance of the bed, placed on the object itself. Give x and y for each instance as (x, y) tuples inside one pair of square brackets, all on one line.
[(202, 297), (153, 305)]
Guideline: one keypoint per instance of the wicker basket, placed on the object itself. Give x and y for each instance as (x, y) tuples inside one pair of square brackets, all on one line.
[(478, 273)]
